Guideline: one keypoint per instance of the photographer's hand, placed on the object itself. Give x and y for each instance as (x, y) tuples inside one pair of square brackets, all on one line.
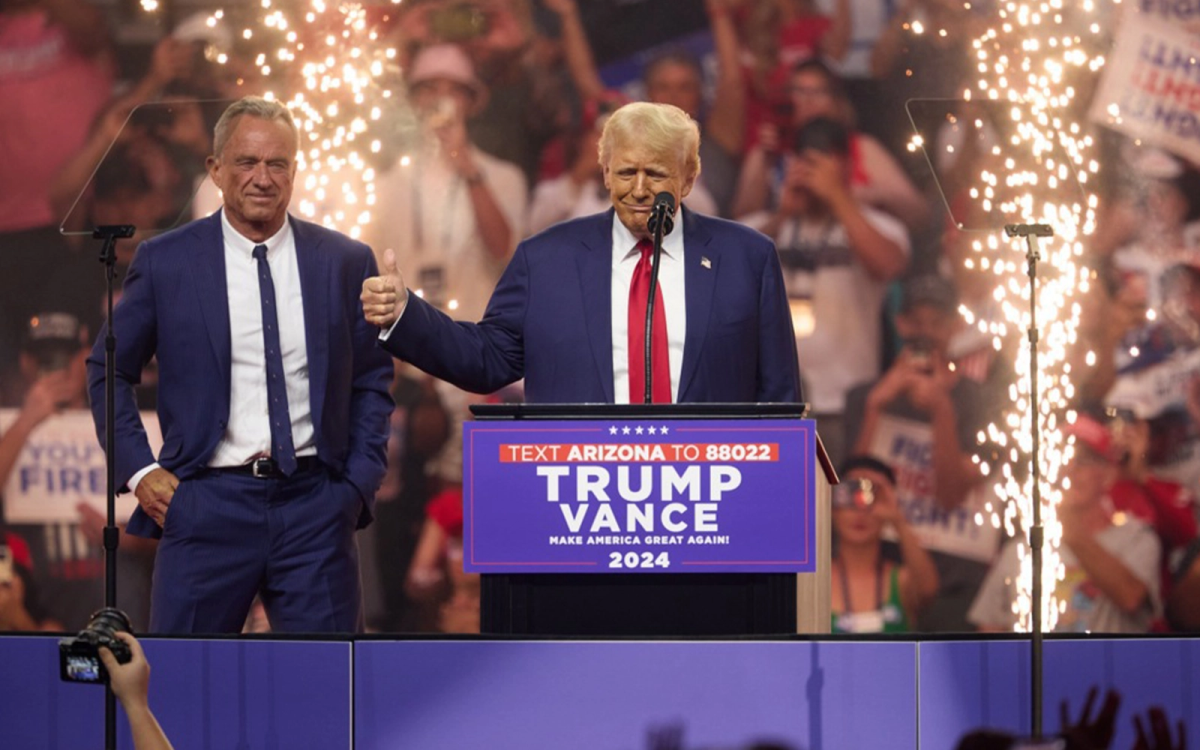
[(131, 684), (155, 492)]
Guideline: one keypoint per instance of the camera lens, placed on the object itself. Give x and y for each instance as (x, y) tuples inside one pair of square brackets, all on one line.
[(854, 493), (79, 656), (107, 622)]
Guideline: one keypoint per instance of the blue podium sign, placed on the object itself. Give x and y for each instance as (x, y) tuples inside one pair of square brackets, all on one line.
[(639, 495)]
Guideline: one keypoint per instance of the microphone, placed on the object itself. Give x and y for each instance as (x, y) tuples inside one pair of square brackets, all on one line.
[(662, 214), (660, 224)]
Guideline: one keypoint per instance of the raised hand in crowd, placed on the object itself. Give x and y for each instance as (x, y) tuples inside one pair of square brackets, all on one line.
[(822, 173), (448, 124), (1088, 732), (49, 394), (130, 682), (1159, 736), (172, 60), (931, 382), (909, 371)]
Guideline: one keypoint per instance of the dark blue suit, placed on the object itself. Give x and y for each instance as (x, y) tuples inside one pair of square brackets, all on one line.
[(550, 320), (216, 550)]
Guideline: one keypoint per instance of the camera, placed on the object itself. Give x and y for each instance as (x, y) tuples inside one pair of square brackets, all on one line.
[(458, 22), (919, 352), (854, 493), (79, 656)]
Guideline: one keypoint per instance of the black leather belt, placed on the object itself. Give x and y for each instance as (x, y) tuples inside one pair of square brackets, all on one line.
[(266, 468)]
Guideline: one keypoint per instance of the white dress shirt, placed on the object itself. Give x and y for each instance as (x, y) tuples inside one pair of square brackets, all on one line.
[(670, 280), (248, 430)]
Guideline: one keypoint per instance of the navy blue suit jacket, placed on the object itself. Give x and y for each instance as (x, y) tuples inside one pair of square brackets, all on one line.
[(175, 306), (550, 320)]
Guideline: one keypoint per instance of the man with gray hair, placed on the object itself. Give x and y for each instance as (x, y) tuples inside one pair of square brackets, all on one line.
[(272, 398), (568, 315)]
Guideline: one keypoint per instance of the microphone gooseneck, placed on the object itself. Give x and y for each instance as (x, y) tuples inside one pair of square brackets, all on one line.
[(660, 224)]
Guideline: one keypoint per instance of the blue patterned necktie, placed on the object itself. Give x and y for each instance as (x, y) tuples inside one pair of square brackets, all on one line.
[(283, 450)]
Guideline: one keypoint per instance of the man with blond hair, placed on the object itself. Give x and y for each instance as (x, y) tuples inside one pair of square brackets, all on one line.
[(272, 397), (568, 315)]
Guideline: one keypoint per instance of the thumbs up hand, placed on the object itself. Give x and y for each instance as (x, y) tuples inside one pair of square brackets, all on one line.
[(384, 296)]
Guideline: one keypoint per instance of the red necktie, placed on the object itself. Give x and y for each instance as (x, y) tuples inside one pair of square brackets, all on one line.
[(639, 291)]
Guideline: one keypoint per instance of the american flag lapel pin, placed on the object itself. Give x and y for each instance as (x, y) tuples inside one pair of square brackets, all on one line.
[(705, 262)]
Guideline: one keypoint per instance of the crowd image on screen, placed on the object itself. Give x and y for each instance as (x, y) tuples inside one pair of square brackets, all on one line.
[(805, 109)]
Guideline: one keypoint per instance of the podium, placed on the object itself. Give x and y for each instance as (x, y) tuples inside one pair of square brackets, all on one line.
[(653, 604)]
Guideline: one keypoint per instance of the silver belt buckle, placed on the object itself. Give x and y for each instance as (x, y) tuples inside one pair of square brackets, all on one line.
[(261, 468)]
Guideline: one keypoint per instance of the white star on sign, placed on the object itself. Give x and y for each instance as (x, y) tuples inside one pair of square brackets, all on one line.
[(612, 430), (639, 430), (663, 429), (651, 431), (624, 430)]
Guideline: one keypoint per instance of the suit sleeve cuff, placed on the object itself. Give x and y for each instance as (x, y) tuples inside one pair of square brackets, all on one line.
[(385, 335), (136, 479)]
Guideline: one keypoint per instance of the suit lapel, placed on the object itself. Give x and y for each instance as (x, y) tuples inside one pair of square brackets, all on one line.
[(595, 279), (316, 283), (212, 291), (701, 264)]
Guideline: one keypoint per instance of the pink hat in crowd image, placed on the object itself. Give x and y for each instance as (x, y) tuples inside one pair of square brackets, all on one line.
[(446, 62)]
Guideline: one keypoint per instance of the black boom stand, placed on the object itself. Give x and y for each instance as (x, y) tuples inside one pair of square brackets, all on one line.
[(1036, 532), (108, 256)]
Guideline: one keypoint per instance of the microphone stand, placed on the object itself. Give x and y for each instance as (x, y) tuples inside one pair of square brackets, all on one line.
[(659, 224), (1036, 531), (108, 256)]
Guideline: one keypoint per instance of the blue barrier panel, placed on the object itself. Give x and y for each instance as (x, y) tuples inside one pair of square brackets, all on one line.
[(1158, 672), (222, 693), (605, 695), (971, 684), (39, 711), (967, 685)]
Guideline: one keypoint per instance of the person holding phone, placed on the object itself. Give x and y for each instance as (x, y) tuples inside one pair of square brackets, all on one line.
[(838, 256), (921, 417), (67, 565), (868, 592), (451, 212)]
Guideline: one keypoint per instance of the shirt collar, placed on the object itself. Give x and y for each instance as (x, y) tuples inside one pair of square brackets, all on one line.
[(625, 244), (243, 245)]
